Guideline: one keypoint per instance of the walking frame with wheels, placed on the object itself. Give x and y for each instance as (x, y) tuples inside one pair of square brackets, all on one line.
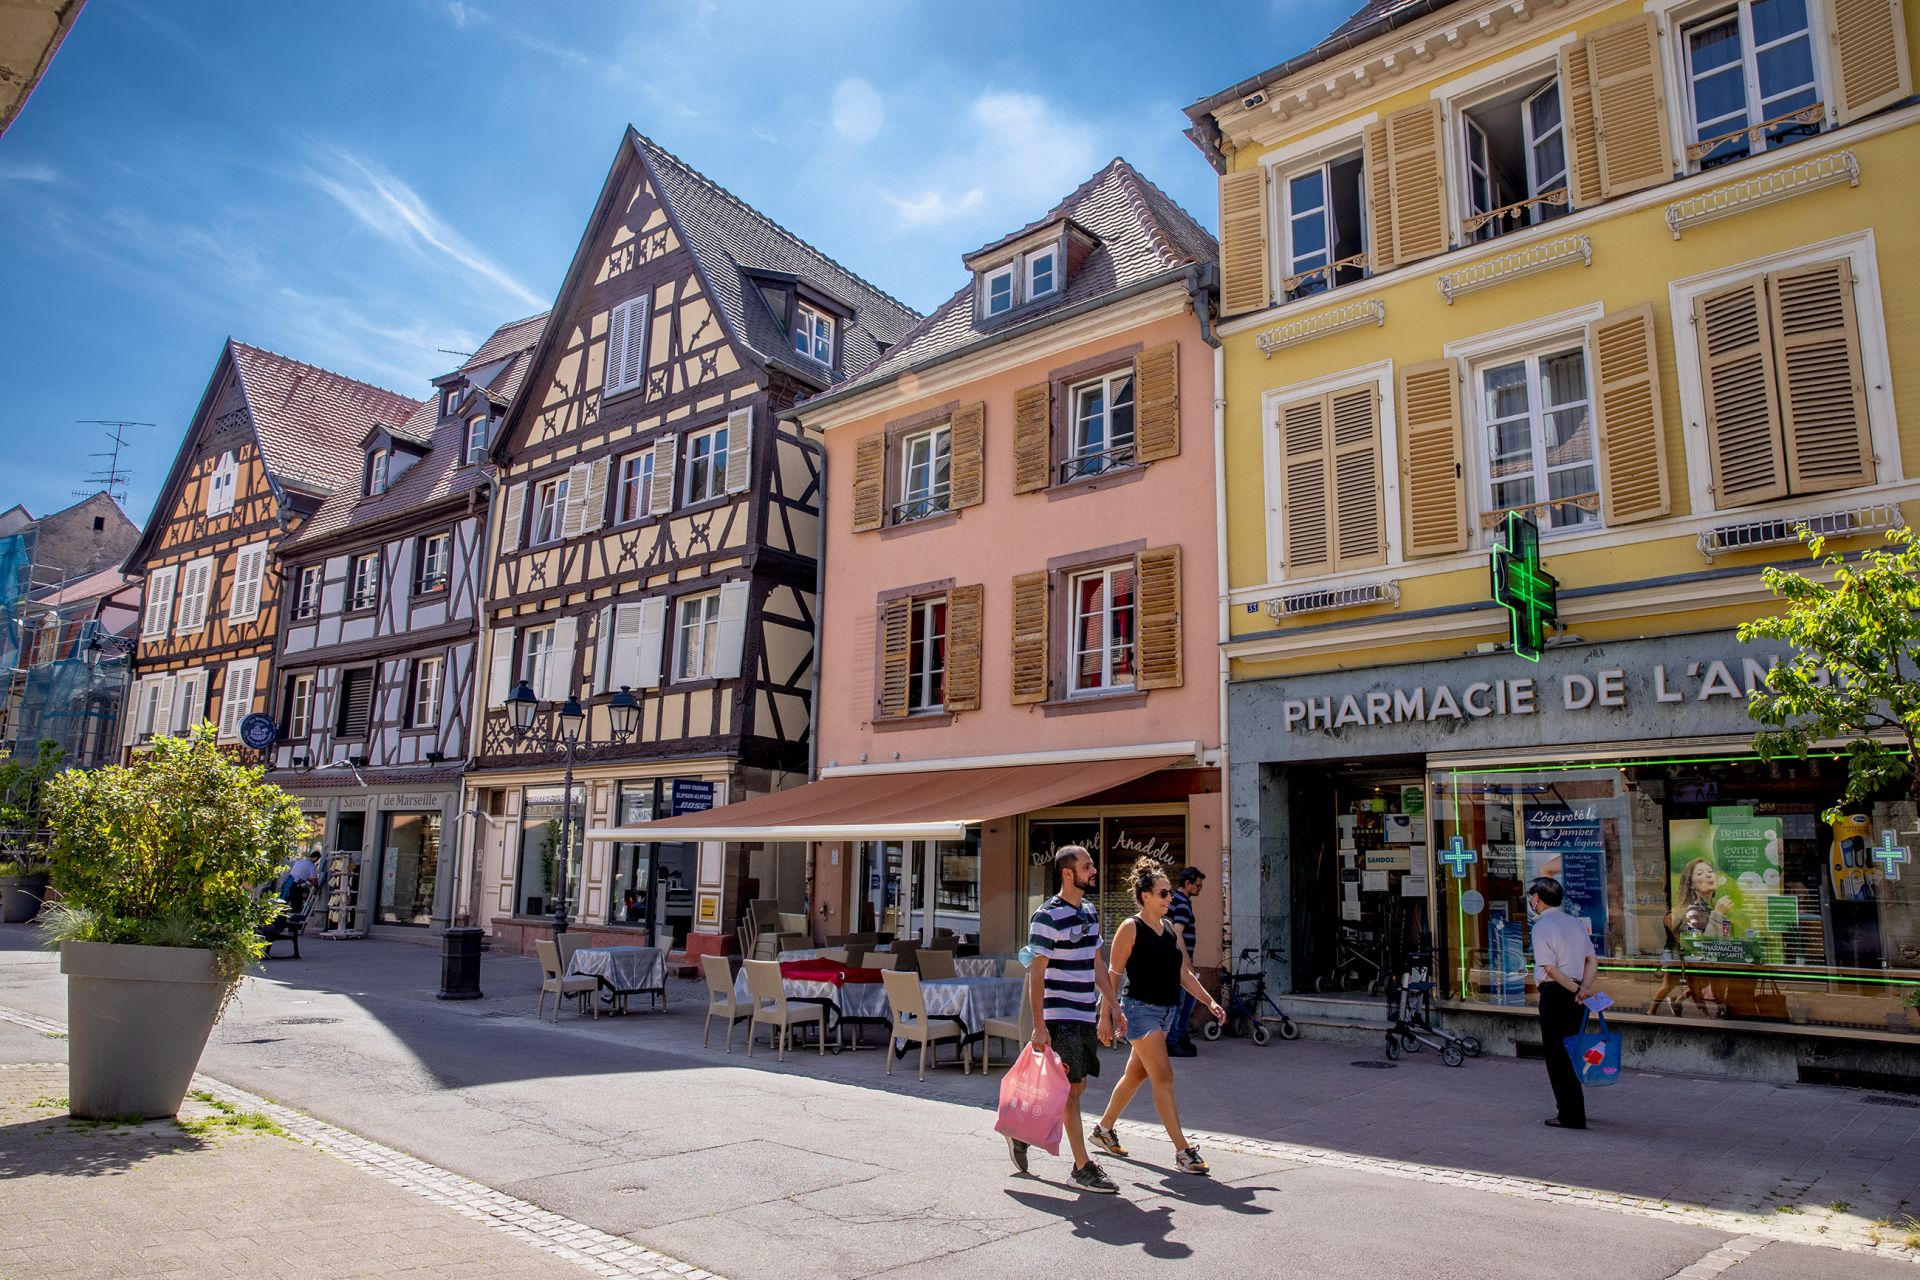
[(1410, 1012), (1357, 964), (1250, 1010)]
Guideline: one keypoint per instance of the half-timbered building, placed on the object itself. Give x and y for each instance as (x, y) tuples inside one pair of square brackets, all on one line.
[(657, 531), (266, 447), (374, 690)]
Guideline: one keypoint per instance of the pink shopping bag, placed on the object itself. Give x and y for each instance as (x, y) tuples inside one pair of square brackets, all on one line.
[(1033, 1100)]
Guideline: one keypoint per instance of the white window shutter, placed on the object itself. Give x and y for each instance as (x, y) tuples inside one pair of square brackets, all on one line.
[(160, 584), (635, 370), (512, 516), (666, 451), (163, 707), (653, 626), (195, 582), (613, 380), (731, 640), (248, 569), (594, 514), (236, 700), (500, 667), (566, 632), (602, 648), (130, 716), (579, 476), (739, 450), (191, 706), (625, 665)]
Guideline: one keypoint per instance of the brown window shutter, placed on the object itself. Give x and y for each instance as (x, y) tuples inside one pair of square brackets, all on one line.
[(1871, 66), (965, 607), (1032, 438), (1823, 400), (896, 623), (1743, 407), (1158, 577), (1379, 200), (1415, 170), (969, 444), (1244, 283), (1431, 454), (1156, 402), (1632, 436), (870, 483), (1583, 142), (1629, 106), (1359, 494), (1307, 524), (1030, 637)]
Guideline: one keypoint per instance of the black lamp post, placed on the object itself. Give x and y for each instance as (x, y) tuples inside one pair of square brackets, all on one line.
[(623, 716)]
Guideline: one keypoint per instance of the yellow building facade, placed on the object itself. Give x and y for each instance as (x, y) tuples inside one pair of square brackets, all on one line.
[(1639, 273)]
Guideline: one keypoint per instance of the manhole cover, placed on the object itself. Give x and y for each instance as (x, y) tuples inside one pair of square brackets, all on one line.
[(304, 1022), (1371, 1065), (1891, 1102)]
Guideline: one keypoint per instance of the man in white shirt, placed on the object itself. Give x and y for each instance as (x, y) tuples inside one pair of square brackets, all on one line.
[(1564, 967)]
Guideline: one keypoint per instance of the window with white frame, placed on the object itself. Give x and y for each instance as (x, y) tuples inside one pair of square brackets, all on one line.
[(1101, 426), (696, 636), (926, 474), (298, 714), (927, 655), (1043, 272), (306, 596), (449, 400), (636, 484), (997, 292), (146, 725), (1751, 81), (377, 460), (1536, 421), (432, 563), (1101, 629), (706, 464), (364, 577), (1325, 220), (813, 333), (428, 676), (476, 450), (549, 504), (1514, 149), (536, 653)]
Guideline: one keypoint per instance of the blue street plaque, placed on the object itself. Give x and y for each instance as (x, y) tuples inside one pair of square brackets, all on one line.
[(691, 796), (258, 731)]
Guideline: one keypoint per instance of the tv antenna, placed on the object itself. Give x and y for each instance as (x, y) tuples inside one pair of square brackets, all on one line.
[(112, 478), (451, 352)]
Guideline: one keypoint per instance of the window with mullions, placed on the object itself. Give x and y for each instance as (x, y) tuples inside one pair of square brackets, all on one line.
[(1751, 83), (706, 465), (1102, 630), (813, 333), (1538, 421), (549, 502), (1325, 221), (1515, 149), (1102, 426), (366, 581), (697, 637), (636, 485), (927, 655), (926, 474)]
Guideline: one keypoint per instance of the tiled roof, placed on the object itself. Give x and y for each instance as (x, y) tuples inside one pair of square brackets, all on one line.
[(1141, 233), (517, 335), (311, 420), (91, 587), (729, 238)]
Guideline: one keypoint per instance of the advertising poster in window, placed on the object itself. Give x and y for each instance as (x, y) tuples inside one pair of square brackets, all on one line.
[(1724, 869), (1570, 845)]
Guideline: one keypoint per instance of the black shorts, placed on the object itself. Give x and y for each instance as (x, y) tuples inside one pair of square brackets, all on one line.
[(1078, 1044)]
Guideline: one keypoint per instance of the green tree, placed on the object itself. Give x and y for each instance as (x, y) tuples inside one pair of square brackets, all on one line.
[(23, 785), (1854, 677)]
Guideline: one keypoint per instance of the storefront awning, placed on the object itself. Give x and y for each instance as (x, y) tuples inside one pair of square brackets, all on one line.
[(938, 804)]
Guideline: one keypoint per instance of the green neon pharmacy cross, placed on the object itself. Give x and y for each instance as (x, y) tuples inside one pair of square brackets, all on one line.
[(1528, 592), (1457, 857), (1890, 855)]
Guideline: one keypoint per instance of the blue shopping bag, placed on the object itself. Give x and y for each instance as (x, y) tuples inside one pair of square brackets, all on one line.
[(1596, 1055)]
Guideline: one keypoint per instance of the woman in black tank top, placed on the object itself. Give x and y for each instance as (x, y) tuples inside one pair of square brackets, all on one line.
[(1147, 949)]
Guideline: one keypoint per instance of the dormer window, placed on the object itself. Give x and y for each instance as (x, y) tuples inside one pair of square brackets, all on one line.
[(999, 291), (813, 333), (1043, 272), (449, 401), (476, 450), (1022, 279), (377, 462)]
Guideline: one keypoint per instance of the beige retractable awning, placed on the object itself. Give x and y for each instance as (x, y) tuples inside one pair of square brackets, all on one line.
[(936, 804)]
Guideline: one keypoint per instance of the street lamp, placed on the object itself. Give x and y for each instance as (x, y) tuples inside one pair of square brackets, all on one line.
[(623, 721), (99, 644)]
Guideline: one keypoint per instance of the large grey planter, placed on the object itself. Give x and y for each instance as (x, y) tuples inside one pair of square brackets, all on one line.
[(137, 1020), (20, 897)]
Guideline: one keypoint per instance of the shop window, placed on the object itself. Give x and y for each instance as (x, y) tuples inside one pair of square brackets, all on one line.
[(1537, 423), (630, 892), (409, 866), (1325, 226), (1515, 152), (1102, 436), (925, 889), (537, 877), (1102, 622), (1751, 83), (1121, 845)]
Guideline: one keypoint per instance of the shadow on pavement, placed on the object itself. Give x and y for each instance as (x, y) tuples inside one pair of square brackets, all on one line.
[(1112, 1220), (62, 1147)]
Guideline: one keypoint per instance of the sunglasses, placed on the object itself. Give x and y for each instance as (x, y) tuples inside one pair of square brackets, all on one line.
[(1163, 893)]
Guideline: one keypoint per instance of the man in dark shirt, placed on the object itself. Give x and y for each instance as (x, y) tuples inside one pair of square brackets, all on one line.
[(1180, 915)]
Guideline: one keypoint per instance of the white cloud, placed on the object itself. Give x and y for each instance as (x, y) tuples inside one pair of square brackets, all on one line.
[(857, 111), (393, 210), (464, 15), (928, 207), (1020, 157), (30, 173)]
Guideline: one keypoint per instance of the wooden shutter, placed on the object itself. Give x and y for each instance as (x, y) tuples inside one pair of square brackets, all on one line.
[(566, 637), (1823, 398), (1244, 282), (870, 482), (159, 614), (1379, 199), (1431, 454), (236, 700), (1156, 403), (616, 350), (1630, 427), (896, 657), (1582, 141), (666, 453), (1416, 160), (499, 666), (130, 712), (653, 626), (1033, 438), (1633, 149), (1358, 488), (1030, 665), (574, 517), (593, 513), (969, 446), (356, 703), (1306, 521), (739, 450), (249, 567), (623, 663), (1871, 66), (512, 516), (1157, 580), (1743, 409), (195, 586), (730, 641), (966, 610), (163, 707), (634, 370), (603, 649)]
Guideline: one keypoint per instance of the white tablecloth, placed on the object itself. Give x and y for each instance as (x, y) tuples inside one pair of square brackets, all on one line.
[(973, 999), (623, 968), (979, 966), (854, 1000)]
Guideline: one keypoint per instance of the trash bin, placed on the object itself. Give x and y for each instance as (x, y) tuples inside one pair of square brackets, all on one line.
[(460, 964)]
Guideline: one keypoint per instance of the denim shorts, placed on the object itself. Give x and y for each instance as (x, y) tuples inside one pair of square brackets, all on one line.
[(1144, 1019)]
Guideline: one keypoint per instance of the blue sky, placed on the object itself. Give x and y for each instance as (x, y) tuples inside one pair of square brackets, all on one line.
[(359, 184)]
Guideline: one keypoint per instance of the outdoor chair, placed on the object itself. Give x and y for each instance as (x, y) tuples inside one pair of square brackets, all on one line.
[(554, 979), (838, 954), (911, 1023), (293, 921), (937, 964), (882, 960), (568, 943), (856, 955), (721, 1002), (1016, 1032), (1013, 969), (906, 949), (771, 1009)]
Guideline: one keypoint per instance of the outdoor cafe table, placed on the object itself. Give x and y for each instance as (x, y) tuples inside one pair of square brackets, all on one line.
[(623, 972), (973, 1000)]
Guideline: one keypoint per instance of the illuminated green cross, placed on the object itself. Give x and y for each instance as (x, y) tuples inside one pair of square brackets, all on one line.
[(1527, 592), (1457, 856), (1890, 855)]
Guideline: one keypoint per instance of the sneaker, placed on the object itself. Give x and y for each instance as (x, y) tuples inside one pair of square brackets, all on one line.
[(1191, 1161), (1108, 1141), (1018, 1150), (1088, 1177), (1184, 1049)]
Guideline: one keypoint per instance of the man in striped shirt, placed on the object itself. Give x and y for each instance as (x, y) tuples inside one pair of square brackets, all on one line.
[(1180, 915), (1068, 984)]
